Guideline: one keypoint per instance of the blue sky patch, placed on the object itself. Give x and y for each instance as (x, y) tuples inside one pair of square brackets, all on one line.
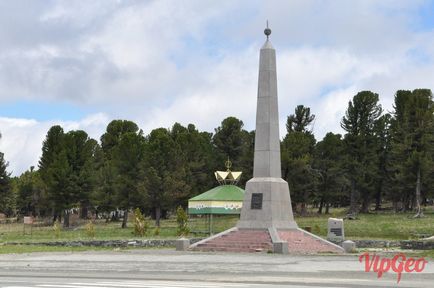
[(425, 21), (43, 111)]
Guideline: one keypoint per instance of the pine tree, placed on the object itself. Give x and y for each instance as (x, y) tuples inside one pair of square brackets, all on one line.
[(328, 163), (66, 167), (383, 150), (127, 160), (196, 159), (362, 162), (31, 194), (232, 141), (300, 120), (106, 193), (62, 186), (166, 172), (7, 197), (412, 145), (297, 156), (52, 148), (80, 151)]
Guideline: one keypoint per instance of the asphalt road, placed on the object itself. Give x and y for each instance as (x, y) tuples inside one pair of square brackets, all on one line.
[(168, 268)]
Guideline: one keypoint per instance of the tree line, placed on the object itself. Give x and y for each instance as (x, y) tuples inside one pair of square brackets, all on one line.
[(124, 170), (382, 157)]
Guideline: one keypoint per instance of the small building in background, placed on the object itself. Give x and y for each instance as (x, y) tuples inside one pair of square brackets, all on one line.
[(225, 199)]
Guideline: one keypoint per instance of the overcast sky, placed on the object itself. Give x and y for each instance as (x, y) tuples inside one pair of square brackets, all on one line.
[(81, 64)]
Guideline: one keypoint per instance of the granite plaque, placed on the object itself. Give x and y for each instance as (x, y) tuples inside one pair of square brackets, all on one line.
[(256, 202)]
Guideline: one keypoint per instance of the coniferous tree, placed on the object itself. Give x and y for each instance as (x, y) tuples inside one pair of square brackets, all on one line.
[(31, 194), (328, 163), (246, 160), (362, 161), (383, 144), (412, 145), (297, 156), (62, 187), (233, 142), (197, 160), (80, 151), (165, 171), (52, 148), (66, 169), (127, 160), (116, 129), (300, 120), (228, 139), (7, 197), (106, 174)]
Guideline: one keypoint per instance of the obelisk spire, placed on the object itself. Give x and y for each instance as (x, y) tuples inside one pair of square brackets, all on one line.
[(267, 141)]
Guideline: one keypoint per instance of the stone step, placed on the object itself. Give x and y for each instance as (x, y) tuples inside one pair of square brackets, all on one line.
[(254, 241), (247, 233), (246, 236), (237, 243), (244, 241), (227, 250), (241, 240), (209, 245), (302, 243), (230, 249), (234, 234)]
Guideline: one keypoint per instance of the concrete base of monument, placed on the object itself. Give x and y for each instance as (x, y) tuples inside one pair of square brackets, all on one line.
[(282, 241), (266, 204)]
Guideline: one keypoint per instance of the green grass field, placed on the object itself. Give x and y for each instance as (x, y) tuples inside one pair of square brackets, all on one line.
[(385, 226), (103, 231)]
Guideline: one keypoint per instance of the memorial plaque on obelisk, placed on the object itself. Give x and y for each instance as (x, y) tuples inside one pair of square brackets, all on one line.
[(267, 202)]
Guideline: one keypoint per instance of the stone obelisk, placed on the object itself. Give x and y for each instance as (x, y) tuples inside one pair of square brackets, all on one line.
[(267, 203), (266, 222)]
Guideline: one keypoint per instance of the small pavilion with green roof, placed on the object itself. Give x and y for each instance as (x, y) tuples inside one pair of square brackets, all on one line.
[(225, 199)]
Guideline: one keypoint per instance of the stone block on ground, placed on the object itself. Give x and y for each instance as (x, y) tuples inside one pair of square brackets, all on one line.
[(335, 231), (349, 246), (182, 244), (280, 247)]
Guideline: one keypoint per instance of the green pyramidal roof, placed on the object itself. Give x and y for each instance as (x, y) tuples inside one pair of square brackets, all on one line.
[(221, 193)]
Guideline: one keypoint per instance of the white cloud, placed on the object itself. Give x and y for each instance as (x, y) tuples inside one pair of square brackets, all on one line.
[(218, 90), (326, 79), (22, 139), (21, 142)]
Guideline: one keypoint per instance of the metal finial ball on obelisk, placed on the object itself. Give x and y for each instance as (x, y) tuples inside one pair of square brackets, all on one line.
[(267, 31)]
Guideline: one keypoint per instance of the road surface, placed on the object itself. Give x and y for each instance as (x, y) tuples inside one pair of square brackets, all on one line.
[(156, 268)]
